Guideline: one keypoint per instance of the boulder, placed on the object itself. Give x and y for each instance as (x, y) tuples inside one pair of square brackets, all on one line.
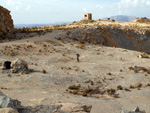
[(19, 66), (8, 110), (7, 64), (144, 55), (6, 102), (136, 110), (127, 111)]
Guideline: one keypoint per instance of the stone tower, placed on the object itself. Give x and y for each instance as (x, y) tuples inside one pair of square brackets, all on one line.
[(88, 16)]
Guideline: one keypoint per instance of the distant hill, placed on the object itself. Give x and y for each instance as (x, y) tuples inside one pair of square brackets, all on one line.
[(122, 18), (40, 25)]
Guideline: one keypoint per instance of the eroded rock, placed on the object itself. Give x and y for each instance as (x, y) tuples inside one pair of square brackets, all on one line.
[(136, 110), (19, 66), (6, 22), (6, 102), (58, 108)]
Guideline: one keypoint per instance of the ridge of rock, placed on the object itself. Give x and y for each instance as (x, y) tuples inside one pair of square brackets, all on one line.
[(6, 22)]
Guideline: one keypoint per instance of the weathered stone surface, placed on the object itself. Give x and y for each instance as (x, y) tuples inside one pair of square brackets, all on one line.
[(6, 102), (58, 108), (127, 111), (6, 22), (136, 110), (8, 110), (144, 55), (128, 38), (75, 107), (19, 66)]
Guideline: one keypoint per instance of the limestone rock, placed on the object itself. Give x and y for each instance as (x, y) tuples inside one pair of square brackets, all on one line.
[(58, 108), (136, 110), (8, 110), (144, 55), (19, 66), (6, 22), (127, 111), (6, 102), (75, 107), (114, 37)]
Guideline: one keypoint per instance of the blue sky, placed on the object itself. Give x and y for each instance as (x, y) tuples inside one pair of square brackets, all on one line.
[(52, 11)]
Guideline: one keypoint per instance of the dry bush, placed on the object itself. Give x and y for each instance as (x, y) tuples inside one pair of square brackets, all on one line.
[(119, 87), (111, 91), (74, 87)]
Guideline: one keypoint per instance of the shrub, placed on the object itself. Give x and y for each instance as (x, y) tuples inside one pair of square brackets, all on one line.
[(111, 91), (131, 68), (26, 72), (84, 94), (44, 71), (119, 87), (74, 87), (116, 95)]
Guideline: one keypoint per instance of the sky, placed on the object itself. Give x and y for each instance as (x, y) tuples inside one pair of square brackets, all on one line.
[(53, 11)]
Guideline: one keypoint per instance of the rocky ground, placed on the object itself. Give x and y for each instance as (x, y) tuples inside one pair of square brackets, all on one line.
[(105, 78)]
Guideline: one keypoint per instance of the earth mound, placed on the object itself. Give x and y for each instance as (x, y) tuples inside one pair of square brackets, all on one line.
[(142, 20)]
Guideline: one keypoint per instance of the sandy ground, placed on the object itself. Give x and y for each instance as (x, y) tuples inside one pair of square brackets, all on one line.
[(106, 67)]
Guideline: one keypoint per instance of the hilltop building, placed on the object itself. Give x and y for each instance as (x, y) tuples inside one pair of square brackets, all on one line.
[(88, 16)]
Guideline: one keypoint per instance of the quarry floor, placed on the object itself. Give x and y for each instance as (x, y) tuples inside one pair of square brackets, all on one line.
[(99, 66)]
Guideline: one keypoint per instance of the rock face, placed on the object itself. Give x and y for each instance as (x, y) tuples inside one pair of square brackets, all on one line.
[(6, 22), (6, 102), (58, 108), (128, 38)]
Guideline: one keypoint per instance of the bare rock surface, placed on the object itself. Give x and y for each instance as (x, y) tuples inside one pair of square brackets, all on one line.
[(103, 78), (137, 110), (6, 102), (58, 108), (113, 36), (6, 22), (19, 66)]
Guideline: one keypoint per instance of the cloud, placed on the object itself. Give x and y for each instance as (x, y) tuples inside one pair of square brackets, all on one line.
[(17, 5), (28, 8), (85, 10), (138, 8), (14, 4), (100, 6), (126, 4), (133, 3)]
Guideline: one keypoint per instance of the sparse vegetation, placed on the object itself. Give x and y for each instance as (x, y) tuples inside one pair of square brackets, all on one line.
[(74, 87), (44, 71), (111, 91), (119, 87), (26, 72)]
